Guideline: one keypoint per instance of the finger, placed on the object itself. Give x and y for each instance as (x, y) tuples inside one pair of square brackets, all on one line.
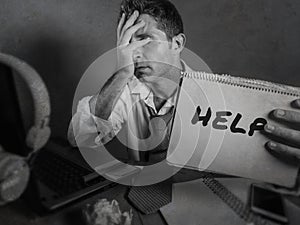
[(130, 22), (138, 44), (296, 103), (284, 149), (283, 133), (287, 115), (120, 25), (129, 32)]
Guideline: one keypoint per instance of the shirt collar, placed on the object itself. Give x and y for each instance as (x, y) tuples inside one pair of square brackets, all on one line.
[(141, 89)]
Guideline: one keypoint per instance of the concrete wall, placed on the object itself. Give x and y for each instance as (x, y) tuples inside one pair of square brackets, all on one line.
[(60, 38)]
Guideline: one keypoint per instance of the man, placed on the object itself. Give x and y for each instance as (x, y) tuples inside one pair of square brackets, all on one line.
[(150, 40)]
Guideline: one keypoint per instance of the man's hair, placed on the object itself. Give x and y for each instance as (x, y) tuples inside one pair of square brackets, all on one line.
[(163, 11)]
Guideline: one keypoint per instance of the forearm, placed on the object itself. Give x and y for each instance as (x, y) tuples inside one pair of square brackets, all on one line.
[(102, 104), (87, 130)]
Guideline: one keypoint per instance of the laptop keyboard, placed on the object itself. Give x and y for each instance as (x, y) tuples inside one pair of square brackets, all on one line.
[(65, 180)]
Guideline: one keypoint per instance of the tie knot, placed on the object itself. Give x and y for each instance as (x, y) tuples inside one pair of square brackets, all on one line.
[(161, 122)]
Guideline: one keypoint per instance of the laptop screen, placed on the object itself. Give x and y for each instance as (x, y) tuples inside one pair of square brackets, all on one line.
[(12, 132)]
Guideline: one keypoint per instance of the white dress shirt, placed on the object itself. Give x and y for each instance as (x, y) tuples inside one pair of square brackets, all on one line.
[(131, 110)]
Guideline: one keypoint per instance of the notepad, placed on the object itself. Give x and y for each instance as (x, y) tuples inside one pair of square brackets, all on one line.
[(218, 122), (193, 203)]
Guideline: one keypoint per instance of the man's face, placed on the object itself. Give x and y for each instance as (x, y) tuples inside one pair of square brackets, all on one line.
[(154, 60)]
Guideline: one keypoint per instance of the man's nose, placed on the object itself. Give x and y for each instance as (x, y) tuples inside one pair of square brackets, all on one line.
[(137, 54)]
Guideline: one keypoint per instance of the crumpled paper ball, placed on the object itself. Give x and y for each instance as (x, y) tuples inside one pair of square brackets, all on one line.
[(104, 212)]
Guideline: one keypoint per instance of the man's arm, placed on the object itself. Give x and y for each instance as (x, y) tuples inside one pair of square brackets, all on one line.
[(101, 105)]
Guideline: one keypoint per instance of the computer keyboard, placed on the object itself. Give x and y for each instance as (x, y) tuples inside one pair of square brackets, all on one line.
[(61, 181)]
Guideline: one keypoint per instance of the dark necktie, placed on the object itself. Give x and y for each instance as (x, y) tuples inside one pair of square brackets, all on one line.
[(149, 199), (159, 129)]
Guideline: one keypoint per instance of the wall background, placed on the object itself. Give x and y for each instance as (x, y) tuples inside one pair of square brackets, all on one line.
[(60, 39)]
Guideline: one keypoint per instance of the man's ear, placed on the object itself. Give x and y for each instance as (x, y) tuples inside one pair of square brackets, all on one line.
[(179, 42)]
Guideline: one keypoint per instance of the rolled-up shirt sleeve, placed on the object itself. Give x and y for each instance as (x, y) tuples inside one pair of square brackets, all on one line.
[(90, 130)]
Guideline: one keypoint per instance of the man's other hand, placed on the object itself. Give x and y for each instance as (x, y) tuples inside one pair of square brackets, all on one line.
[(289, 144)]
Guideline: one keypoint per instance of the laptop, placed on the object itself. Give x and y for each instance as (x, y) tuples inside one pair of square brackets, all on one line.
[(59, 174)]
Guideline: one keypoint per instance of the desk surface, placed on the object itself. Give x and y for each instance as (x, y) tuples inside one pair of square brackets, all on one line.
[(18, 213)]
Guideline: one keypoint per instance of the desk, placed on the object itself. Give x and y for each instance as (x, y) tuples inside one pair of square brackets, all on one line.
[(201, 204), (17, 213)]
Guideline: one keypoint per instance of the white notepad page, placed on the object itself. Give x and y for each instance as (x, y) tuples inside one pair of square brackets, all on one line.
[(237, 103)]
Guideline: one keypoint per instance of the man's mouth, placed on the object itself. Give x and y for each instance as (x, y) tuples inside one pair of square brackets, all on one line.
[(141, 71), (142, 68)]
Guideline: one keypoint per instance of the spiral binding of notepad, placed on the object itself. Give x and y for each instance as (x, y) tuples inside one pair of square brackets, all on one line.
[(244, 83), (241, 209)]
